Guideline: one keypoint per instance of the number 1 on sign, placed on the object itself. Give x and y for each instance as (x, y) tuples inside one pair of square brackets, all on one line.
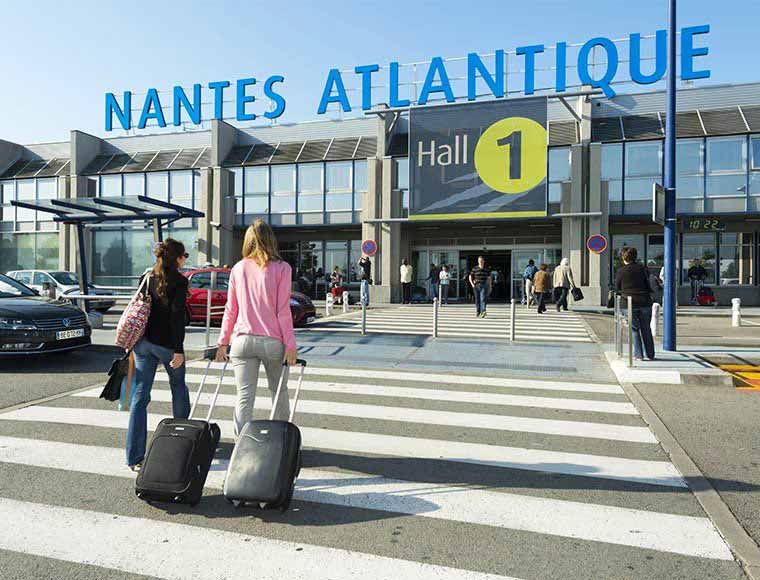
[(514, 141)]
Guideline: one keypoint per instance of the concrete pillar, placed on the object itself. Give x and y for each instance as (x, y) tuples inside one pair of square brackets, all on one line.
[(217, 226), (223, 139), (66, 234), (9, 153), (371, 211), (84, 148), (390, 237), (205, 204), (599, 264), (573, 243)]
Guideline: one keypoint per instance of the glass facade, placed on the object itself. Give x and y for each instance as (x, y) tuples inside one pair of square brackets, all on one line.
[(305, 193), (558, 171), (715, 174), (313, 261)]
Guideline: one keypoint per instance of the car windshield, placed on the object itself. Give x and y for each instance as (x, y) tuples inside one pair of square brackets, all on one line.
[(9, 288), (65, 278)]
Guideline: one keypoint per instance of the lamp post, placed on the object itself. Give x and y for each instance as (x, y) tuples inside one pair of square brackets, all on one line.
[(669, 293)]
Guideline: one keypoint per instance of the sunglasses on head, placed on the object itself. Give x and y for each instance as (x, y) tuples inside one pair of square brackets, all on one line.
[(185, 255)]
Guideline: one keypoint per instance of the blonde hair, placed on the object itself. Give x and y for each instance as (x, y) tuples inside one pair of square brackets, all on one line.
[(260, 244)]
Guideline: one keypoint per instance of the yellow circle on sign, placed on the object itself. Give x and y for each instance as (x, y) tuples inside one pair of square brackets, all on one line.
[(510, 156)]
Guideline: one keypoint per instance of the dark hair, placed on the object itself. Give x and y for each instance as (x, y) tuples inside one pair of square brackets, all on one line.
[(404, 262), (531, 262), (543, 267), (482, 258), (167, 254), (629, 254)]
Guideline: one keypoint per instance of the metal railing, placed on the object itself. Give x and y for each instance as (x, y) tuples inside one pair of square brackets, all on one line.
[(624, 328)]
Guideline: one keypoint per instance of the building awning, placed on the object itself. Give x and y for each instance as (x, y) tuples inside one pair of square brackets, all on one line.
[(94, 210)]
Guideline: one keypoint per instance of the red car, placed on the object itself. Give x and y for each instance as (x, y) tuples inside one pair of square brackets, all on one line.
[(301, 306)]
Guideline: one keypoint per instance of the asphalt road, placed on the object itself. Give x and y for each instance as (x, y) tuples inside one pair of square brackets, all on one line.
[(28, 378), (407, 474)]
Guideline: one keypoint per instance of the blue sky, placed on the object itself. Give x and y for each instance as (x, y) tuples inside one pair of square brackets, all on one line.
[(58, 60)]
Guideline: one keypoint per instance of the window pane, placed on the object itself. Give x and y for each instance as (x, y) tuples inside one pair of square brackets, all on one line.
[(339, 201), (283, 179), (25, 191), (402, 173), (336, 254), (689, 157), (237, 181), (612, 161), (257, 204), (726, 154), (310, 202), (690, 186), (718, 185), (46, 251), (339, 176), (756, 153), (699, 248), (283, 203), (310, 178), (181, 185), (158, 185), (110, 185), (655, 252), (559, 164), (46, 189), (643, 159), (639, 188), (7, 211), (256, 180), (134, 184), (754, 183), (360, 175)]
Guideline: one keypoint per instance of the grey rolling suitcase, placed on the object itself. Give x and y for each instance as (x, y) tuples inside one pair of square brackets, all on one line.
[(180, 454), (267, 458)]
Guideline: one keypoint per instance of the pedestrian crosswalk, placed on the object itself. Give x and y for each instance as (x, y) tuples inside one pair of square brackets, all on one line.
[(405, 475), (459, 321)]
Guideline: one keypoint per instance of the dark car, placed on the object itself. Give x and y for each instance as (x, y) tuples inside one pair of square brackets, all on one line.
[(31, 324), (301, 306)]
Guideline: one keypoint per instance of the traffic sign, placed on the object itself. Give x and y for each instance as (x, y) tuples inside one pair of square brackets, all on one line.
[(369, 247), (596, 243)]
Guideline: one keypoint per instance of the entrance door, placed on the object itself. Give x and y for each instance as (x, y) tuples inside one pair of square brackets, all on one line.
[(500, 263)]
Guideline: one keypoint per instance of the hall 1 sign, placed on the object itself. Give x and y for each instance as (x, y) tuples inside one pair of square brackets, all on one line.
[(596, 243)]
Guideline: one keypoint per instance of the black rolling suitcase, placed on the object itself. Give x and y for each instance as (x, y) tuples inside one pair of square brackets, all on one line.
[(267, 458), (180, 454)]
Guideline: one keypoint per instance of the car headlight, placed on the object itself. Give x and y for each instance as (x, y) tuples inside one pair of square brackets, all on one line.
[(16, 324), (294, 302)]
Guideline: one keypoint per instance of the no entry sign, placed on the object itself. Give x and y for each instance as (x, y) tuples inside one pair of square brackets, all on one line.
[(369, 247), (597, 243)]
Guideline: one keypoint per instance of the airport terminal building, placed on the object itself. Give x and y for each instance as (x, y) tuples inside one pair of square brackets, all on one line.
[(326, 186)]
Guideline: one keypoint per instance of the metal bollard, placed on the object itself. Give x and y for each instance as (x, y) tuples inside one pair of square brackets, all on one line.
[(328, 304), (630, 331), (364, 319), (655, 324), (209, 292), (435, 317), (736, 312), (618, 328), (345, 302), (512, 321)]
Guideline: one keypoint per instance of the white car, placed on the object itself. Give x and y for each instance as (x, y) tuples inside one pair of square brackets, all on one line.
[(64, 283)]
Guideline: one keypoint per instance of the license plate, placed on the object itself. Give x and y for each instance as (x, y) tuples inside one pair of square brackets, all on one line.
[(310, 319), (65, 334)]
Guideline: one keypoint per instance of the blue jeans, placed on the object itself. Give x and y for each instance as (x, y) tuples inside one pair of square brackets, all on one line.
[(147, 357), (642, 332), (481, 296), (364, 292), (433, 291)]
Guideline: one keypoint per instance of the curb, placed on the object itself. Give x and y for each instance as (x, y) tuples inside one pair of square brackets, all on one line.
[(739, 541), (711, 377)]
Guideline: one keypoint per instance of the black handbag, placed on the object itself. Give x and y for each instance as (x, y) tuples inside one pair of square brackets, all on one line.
[(119, 369), (577, 294), (557, 293)]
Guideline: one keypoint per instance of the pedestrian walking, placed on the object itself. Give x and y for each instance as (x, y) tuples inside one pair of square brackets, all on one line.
[(444, 278), (161, 343), (697, 276), (632, 280), (406, 282), (365, 277), (542, 286), (433, 279), (528, 275), (480, 280), (563, 282), (336, 285), (257, 327)]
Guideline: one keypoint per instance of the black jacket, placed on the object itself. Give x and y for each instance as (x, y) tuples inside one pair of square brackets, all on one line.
[(166, 324), (633, 280)]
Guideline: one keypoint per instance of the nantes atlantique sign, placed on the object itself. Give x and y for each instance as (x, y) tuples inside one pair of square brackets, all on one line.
[(187, 107)]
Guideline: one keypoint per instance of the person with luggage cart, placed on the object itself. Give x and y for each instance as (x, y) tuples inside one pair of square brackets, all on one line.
[(697, 276), (161, 343)]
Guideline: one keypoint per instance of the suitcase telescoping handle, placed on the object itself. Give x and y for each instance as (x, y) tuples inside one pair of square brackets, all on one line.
[(284, 381), (216, 392)]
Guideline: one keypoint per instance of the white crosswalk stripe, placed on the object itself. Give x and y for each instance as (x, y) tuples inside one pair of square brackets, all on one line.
[(459, 321), (576, 432)]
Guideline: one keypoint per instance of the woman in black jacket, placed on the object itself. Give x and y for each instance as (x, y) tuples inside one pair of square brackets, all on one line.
[(632, 280), (162, 343)]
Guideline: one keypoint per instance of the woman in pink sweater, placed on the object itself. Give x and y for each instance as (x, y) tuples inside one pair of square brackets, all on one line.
[(257, 326)]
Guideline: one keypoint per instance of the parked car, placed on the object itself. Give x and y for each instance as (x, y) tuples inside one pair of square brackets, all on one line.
[(301, 306), (64, 283), (32, 324)]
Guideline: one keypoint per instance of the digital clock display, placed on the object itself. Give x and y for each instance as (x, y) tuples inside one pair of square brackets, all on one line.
[(707, 224)]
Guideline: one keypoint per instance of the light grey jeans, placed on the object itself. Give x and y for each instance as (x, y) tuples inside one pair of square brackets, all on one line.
[(247, 352)]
